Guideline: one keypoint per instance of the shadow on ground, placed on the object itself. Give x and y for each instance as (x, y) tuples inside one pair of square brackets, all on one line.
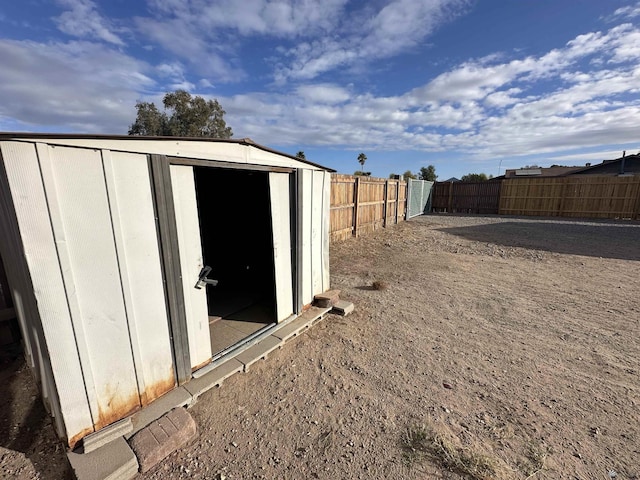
[(606, 239), (25, 425)]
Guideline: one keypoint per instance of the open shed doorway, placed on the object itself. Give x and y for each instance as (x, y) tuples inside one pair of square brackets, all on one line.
[(237, 243)]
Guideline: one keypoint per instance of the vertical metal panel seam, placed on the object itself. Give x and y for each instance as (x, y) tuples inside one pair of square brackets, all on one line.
[(326, 206), (179, 328), (73, 326), (298, 241), (321, 239), (161, 179), (311, 234), (326, 227), (154, 202), (118, 263)]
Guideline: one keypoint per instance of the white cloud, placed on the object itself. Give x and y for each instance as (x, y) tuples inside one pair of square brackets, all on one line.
[(171, 69), (203, 54), (207, 34), (266, 17), (488, 107), (367, 36), (328, 35), (629, 11), (402, 23), (503, 98), (87, 87), (204, 83), (83, 20), (323, 93), (628, 48), (585, 93)]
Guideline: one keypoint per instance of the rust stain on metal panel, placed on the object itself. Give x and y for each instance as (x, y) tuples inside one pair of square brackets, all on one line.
[(116, 408), (197, 367), (154, 391), (74, 439)]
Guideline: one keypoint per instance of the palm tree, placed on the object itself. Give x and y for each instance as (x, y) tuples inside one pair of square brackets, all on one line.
[(361, 159)]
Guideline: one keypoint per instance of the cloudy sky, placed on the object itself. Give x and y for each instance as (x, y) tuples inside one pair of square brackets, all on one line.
[(465, 85)]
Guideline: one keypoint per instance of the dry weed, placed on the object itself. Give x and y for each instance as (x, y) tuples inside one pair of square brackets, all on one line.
[(325, 440), (422, 441), (536, 456)]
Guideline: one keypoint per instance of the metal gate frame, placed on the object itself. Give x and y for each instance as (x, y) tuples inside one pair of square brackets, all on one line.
[(418, 197)]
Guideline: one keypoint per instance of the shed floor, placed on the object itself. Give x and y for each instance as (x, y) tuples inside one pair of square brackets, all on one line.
[(233, 328)]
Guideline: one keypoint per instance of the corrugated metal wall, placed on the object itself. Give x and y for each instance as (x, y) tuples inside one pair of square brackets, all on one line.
[(315, 196), (87, 232), (79, 230)]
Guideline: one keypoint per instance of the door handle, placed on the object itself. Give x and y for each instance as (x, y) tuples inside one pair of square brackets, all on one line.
[(203, 280)]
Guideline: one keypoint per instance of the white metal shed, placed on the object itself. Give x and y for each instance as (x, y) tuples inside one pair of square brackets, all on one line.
[(106, 241)]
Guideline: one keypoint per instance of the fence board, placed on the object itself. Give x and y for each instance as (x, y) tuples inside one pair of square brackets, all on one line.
[(466, 197), (579, 196), (363, 204), (343, 196)]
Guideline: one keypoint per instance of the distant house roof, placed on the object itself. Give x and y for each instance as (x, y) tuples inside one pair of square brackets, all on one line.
[(627, 165), (452, 179), (555, 171)]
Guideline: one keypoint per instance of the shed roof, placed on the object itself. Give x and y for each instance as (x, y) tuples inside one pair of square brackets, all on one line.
[(99, 141)]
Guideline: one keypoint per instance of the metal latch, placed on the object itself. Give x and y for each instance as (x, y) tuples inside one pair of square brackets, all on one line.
[(203, 280)]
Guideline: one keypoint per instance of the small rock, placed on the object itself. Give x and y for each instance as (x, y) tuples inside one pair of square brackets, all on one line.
[(447, 385), (234, 444)]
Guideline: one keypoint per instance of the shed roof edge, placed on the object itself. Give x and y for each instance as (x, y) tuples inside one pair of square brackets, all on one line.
[(87, 136)]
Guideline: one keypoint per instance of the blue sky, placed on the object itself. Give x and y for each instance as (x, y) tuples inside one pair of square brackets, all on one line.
[(468, 86)]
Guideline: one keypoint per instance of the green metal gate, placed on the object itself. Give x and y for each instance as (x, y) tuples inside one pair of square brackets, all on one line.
[(419, 197)]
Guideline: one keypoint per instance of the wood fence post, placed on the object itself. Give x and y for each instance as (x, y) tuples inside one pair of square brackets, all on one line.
[(563, 196), (450, 202), (636, 214), (397, 200), (356, 199), (386, 200)]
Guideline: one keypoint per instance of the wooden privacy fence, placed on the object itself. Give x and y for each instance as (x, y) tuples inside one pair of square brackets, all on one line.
[(573, 196), (466, 197), (363, 204)]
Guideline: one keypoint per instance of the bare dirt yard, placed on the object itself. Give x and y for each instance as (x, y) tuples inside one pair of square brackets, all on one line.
[(496, 347)]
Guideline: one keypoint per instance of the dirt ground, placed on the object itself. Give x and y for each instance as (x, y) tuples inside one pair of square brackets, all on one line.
[(501, 347)]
